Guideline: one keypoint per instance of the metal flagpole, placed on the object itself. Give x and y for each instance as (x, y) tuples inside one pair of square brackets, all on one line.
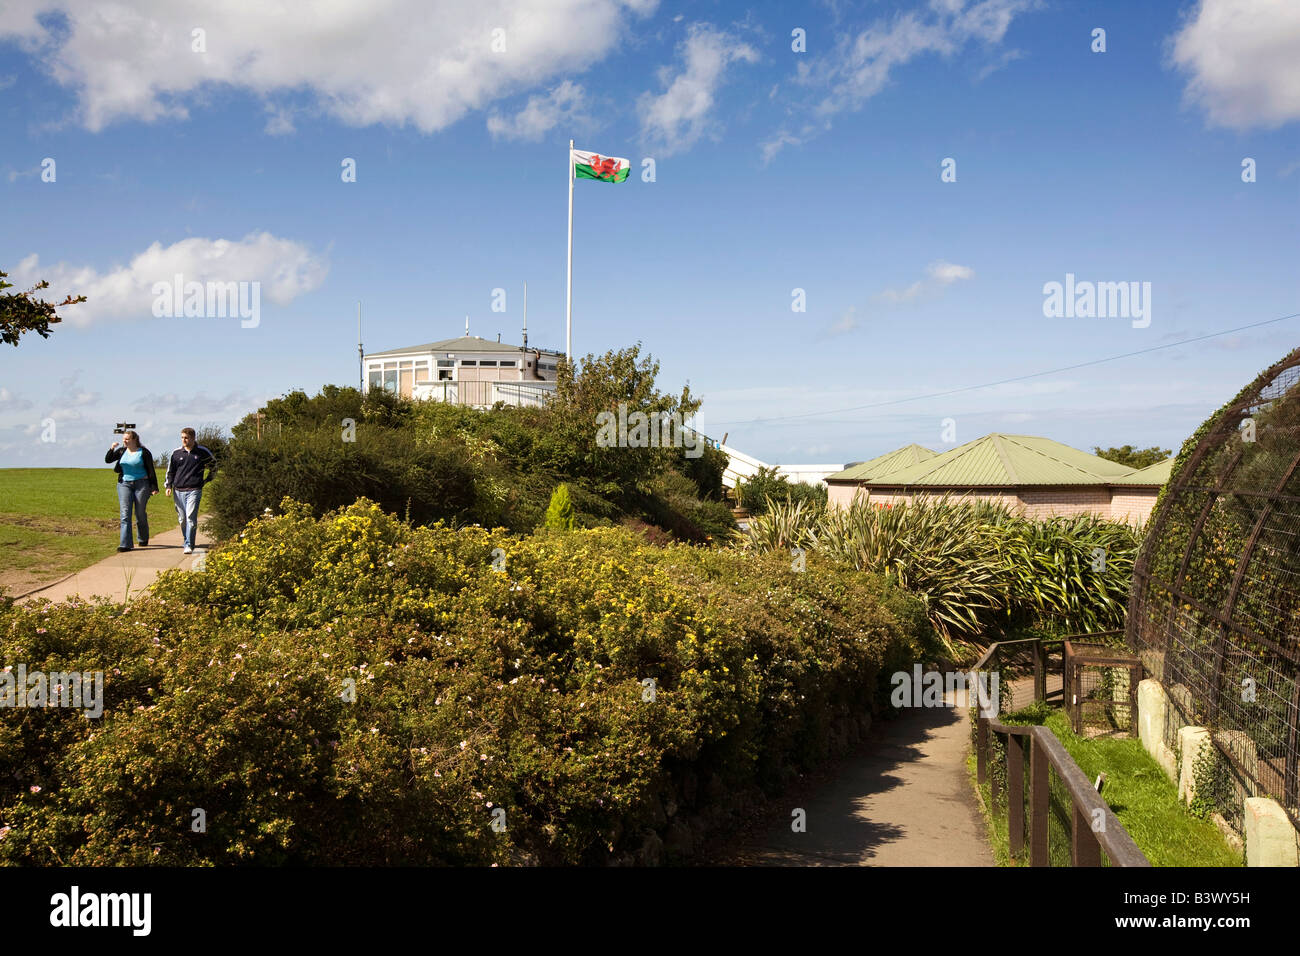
[(361, 354), (568, 310)]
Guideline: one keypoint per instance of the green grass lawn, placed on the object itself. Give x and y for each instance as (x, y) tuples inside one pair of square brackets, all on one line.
[(54, 521), (1141, 796)]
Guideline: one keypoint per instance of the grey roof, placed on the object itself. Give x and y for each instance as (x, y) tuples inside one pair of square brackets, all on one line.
[(465, 343)]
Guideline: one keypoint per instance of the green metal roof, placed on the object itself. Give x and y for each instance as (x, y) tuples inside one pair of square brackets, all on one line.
[(998, 460), (884, 464), (466, 343), (1156, 474)]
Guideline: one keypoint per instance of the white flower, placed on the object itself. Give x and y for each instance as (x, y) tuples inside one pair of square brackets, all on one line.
[(464, 744)]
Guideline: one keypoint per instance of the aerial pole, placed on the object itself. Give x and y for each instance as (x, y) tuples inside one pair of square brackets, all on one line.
[(568, 310), (361, 355)]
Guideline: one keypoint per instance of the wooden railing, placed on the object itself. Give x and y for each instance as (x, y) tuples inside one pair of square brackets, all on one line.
[(1094, 828)]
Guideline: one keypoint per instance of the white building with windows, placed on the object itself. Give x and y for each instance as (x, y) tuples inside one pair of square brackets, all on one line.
[(466, 371)]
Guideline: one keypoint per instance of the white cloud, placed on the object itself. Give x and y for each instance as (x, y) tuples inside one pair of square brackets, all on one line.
[(847, 322), (12, 402), (542, 113), (202, 408), (674, 119), (938, 275), (862, 62), (279, 121), (1242, 58), (72, 394), (423, 62), (285, 269), (1010, 56)]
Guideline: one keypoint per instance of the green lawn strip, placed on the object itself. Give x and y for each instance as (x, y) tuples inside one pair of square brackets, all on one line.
[(56, 521), (1143, 799), (52, 547)]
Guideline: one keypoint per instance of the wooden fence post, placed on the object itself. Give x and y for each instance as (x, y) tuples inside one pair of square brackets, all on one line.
[(1015, 793), (1039, 786), (1040, 671), (1084, 848)]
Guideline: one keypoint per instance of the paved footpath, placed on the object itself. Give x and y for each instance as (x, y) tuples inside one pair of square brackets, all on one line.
[(128, 571), (904, 800)]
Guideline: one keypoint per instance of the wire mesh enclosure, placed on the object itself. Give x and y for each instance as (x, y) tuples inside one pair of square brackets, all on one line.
[(1043, 808), (1101, 689), (1214, 610)]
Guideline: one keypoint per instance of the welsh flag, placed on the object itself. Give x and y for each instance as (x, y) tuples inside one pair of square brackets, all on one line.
[(612, 169)]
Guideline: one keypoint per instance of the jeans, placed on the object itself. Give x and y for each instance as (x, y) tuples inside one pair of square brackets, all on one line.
[(129, 494), (187, 511)]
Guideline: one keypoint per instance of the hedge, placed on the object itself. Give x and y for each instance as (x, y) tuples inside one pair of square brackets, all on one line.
[(526, 690)]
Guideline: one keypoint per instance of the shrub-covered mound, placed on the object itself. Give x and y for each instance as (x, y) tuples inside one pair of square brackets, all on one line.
[(588, 685), (429, 461)]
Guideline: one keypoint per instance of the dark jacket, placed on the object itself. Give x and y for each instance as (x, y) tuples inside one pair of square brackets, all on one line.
[(185, 468), (114, 455)]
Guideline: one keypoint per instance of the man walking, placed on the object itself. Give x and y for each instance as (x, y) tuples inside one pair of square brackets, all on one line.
[(185, 477)]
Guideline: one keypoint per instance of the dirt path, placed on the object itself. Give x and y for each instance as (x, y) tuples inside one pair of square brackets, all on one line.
[(126, 574), (905, 800)]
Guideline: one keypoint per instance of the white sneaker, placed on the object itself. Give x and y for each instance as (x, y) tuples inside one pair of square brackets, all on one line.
[(188, 549)]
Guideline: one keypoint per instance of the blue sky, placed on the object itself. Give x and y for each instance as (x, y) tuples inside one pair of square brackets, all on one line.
[(775, 170)]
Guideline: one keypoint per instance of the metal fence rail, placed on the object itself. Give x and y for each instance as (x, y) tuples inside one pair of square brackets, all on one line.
[(1030, 773)]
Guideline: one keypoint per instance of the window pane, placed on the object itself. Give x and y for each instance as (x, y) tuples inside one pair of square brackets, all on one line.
[(390, 380), (468, 362)]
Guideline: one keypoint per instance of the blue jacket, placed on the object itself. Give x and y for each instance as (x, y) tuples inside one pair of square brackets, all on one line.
[(114, 455), (185, 468)]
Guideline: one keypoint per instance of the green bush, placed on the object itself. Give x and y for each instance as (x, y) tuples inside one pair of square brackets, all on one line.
[(756, 493), (496, 468), (559, 514), (490, 672), (977, 567)]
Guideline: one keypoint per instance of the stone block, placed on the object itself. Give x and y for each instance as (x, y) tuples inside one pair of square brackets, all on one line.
[(1190, 742), (1270, 838)]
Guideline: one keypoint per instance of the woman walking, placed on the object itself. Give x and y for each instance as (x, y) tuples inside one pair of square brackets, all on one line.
[(136, 481)]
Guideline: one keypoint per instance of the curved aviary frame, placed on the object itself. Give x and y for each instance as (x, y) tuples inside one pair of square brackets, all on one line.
[(1214, 608)]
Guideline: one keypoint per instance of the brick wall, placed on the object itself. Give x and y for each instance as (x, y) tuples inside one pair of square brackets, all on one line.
[(1128, 504), (1066, 501), (1133, 504)]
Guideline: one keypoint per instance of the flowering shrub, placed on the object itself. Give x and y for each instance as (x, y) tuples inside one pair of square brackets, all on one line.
[(351, 689)]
